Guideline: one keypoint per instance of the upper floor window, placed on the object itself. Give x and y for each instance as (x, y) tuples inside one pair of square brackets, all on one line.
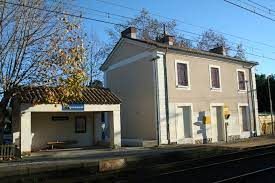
[(182, 74), (241, 80), (215, 77)]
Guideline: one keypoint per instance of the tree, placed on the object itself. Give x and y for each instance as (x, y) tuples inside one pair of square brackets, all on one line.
[(96, 52), (149, 28), (262, 92), (210, 39), (240, 52), (38, 48)]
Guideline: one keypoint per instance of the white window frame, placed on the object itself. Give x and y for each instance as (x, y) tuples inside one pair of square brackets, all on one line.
[(188, 75), (210, 78), (239, 90)]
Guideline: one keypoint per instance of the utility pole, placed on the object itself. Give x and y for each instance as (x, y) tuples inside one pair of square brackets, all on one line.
[(270, 101)]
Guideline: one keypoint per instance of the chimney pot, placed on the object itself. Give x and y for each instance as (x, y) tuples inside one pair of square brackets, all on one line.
[(130, 32), (218, 50)]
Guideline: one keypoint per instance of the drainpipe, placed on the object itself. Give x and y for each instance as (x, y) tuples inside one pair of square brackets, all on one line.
[(166, 96), (252, 100)]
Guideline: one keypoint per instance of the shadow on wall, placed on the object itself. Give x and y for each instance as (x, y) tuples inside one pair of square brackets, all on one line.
[(202, 126)]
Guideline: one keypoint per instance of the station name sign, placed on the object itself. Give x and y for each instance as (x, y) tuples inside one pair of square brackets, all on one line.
[(73, 107)]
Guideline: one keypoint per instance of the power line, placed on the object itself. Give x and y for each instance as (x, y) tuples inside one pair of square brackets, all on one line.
[(62, 13), (131, 18), (92, 9), (108, 22), (255, 6), (247, 9), (178, 20), (270, 10)]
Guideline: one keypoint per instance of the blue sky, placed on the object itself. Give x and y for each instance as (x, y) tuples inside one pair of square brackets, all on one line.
[(215, 14)]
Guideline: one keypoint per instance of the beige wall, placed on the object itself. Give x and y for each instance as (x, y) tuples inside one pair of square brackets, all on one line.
[(133, 83), (129, 50), (200, 94), (43, 129), (200, 82)]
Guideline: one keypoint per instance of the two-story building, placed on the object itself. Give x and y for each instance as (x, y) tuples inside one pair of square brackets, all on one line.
[(179, 95)]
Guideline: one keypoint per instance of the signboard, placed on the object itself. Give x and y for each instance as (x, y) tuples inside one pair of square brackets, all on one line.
[(7, 138), (226, 112), (206, 119), (60, 118), (73, 107)]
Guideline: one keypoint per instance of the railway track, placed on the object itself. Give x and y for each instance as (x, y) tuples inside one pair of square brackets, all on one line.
[(161, 172)]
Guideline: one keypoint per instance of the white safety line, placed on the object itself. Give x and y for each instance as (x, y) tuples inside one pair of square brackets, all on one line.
[(245, 175)]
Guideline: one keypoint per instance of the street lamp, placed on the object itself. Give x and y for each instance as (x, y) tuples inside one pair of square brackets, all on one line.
[(270, 101)]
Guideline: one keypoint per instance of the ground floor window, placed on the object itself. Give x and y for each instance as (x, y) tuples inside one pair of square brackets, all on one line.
[(80, 124)]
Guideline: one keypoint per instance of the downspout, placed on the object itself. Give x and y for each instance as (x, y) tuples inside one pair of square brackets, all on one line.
[(156, 97), (166, 96), (252, 100)]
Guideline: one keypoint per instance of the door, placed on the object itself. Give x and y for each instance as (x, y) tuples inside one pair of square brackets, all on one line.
[(187, 122), (220, 123), (244, 118), (218, 132)]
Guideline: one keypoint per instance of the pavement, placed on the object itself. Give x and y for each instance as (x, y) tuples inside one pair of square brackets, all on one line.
[(60, 160)]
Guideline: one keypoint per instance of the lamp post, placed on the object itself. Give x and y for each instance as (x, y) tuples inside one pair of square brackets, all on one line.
[(270, 102)]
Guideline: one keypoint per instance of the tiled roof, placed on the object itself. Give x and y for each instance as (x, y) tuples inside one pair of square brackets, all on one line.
[(192, 50), (181, 49), (38, 95)]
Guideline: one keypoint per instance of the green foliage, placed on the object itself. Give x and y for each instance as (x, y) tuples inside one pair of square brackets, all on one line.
[(262, 92)]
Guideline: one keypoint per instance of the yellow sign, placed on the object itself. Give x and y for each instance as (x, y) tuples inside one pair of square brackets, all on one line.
[(226, 112), (206, 119)]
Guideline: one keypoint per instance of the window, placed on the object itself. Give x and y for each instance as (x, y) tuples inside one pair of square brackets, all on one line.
[(80, 124), (182, 74), (241, 80), (215, 79)]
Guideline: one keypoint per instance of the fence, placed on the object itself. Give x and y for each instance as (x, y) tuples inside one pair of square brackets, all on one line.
[(265, 124), (8, 152)]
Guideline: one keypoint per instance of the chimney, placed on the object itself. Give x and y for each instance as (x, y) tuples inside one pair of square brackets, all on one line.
[(167, 39), (130, 32), (218, 50)]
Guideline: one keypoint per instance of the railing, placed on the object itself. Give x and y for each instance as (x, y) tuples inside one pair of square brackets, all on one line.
[(8, 152)]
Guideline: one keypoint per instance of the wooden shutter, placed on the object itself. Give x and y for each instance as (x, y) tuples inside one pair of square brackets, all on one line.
[(241, 80), (182, 74), (215, 77)]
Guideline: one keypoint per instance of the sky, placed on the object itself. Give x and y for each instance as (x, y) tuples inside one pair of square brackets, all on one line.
[(196, 16)]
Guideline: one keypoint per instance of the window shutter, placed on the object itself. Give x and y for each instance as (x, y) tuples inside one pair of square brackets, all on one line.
[(241, 80), (182, 74), (215, 78)]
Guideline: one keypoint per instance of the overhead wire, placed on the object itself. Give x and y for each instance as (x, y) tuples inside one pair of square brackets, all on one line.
[(107, 22)]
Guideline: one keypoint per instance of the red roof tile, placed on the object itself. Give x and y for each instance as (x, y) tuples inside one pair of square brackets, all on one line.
[(38, 95)]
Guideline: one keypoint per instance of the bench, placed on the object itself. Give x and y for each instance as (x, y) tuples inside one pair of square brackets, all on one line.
[(58, 143)]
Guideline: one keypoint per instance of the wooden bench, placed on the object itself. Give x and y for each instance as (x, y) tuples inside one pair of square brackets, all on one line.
[(57, 143)]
